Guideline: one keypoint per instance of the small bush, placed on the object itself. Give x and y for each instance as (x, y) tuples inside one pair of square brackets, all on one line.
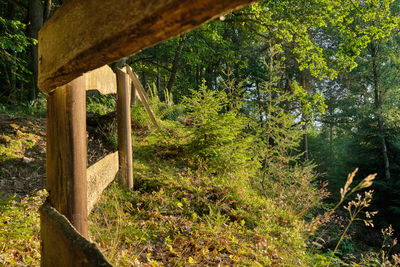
[(100, 104), (216, 138), (34, 108)]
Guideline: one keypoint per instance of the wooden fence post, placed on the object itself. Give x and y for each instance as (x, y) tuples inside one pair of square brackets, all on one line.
[(124, 129), (67, 152)]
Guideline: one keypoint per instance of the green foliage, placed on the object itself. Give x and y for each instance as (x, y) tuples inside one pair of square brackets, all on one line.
[(216, 137), (311, 26), (100, 104), (186, 210), (34, 108), (15, 62), (216, 187), (351, 134), (178, 216), (140, 118), (14, 145), (166, 109), (13, 40), (310, 103), (283, 177)]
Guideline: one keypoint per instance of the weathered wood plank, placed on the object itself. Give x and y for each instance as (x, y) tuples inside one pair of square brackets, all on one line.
[(142, 94), (134, 94), (99, 176), (62, 245), (67, 152), (102, 79), (85, 35), (124, 129)]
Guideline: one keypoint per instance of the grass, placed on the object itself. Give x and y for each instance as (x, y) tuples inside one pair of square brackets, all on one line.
[(19, 230), (178, 216), (21, 172), (12, 147), (174, 216)]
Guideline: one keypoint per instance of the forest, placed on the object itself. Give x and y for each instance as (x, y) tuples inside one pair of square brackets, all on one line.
[(279, 142)]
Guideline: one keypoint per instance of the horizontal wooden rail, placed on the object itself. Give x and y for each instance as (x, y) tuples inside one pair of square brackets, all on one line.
[(85, 35), (102, 79), (62, 245), (99, 176)]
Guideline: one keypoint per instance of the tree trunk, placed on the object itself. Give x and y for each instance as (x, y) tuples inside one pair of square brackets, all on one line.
[(305, 140), (383, 146), (144, 80), (305, 86), (331, 142), (47, 10), (197, 75), (378, 100), (259, 104), (175, 63), (208, 77), (10, 67), (13, 77), (35, 14), (159, 82)]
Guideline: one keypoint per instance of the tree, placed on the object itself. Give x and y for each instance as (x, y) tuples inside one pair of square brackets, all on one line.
[(35, 14), (20, 22), (362, 105)]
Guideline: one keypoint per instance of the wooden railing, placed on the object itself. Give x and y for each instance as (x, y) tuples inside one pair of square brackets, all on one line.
[(86, 192)]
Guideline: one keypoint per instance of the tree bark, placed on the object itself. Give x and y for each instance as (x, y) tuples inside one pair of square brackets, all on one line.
[(175, 63), (378, 103), (305, 141), (159, 83), (47, 10), (384, 147), (10, 68), (35, 14), (13, 77), (144, 79), (331, 142), (259, 104), (304, 84)]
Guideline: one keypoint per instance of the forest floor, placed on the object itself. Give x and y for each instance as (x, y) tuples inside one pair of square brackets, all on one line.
[(22, 184), (22, 155), (22, 180), (174, 215)]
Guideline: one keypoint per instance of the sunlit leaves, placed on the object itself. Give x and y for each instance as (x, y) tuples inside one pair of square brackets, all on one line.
[(305, 27)]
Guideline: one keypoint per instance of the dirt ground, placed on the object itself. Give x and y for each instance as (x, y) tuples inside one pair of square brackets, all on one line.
[(23, 154)]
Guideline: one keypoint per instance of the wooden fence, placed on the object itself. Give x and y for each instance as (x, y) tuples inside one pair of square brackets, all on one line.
[(76, 197), (74, 43)]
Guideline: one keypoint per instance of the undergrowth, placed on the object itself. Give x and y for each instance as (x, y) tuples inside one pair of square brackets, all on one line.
[(176, 217), (194, 201), (34, 108), (201, 198), (19, 230)]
